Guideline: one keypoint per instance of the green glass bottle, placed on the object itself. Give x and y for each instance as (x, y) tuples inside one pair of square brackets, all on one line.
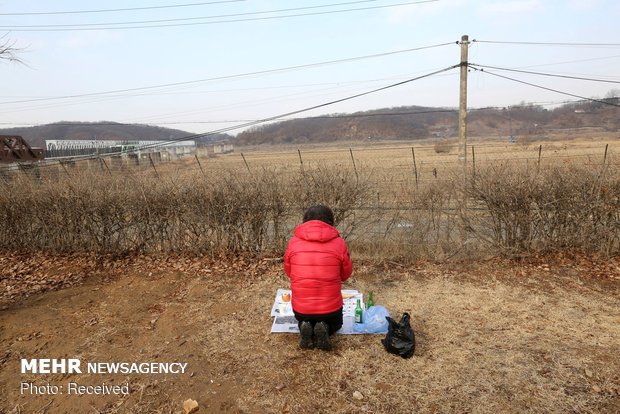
[(359, 312), (370, 302)]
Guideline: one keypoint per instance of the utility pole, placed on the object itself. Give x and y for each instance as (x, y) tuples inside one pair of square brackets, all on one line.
[(463, 108), (463, 134)]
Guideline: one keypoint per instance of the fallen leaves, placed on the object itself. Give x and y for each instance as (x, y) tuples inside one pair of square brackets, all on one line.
[(24, 274)]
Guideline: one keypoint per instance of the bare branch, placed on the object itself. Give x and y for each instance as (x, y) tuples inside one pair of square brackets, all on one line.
[(8, 51)]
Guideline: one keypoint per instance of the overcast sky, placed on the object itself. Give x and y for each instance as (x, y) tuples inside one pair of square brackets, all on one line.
[(255, 63)]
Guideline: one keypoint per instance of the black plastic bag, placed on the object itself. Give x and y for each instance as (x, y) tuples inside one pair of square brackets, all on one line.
[(400, 339)]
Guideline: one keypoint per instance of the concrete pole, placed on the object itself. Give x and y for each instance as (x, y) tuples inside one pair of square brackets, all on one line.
[(463, 136), (463, 108)]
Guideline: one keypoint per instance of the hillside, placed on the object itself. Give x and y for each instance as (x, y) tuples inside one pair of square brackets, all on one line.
[(37, 135), (414, 122), (400, 123)]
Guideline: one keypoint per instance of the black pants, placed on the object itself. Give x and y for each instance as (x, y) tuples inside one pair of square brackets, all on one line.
[(333, 320)]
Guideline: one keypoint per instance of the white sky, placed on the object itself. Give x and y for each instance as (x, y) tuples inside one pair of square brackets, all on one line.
[(68, 63)]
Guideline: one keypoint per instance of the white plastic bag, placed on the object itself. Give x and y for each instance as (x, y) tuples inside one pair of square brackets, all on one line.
[(373, 321)]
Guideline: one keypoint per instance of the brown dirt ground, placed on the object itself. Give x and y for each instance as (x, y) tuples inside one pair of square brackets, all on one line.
[(541, 335)]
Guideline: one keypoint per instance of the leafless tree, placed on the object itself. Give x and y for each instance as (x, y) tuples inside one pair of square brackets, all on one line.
[(8, 51)]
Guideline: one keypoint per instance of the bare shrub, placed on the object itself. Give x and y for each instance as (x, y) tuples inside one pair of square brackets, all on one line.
[(507, 195), (240, 213), (563, 206), (33, 216), (578, 207), (423, 224), (156, 208), (346, 191), (444, 147), (233, 211), (12, 217), (278, 201), (511, 209)]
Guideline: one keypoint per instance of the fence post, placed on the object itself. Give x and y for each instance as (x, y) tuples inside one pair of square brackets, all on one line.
[(153, 165), (539, 154), (106, 166), (605, 156), (415, 168), (473, 162), (245, 162), (62, 164), (301, 161), (354, 167), (199, 165)]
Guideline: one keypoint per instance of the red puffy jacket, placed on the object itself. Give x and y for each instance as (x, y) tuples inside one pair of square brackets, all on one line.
[(317, 261)]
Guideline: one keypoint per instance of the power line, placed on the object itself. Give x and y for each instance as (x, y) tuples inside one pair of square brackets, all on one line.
[(228, 121), (167, 115), (247, 74), (572, 61), (364, 115), (272, 118), (525, 105), (201, 17), (193, 91), (152, 121), (338, 116), (549, 43), (446, 110), (105, 26), (253, 123), (255, 88), (154, 118), (171, 6), (545, 74), (347, 116), (546, 88)]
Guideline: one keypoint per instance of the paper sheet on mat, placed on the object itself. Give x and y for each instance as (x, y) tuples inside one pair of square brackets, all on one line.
[(284, 320)]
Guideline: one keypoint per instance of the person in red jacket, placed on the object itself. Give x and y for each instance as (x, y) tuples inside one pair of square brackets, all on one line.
[(317, 262)]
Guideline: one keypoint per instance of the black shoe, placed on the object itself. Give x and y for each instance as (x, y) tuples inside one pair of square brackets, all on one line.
[(321, 332), (305, 335)]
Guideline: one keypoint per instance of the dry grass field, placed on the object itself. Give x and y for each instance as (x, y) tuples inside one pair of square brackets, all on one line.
[(397, 156), (512, 328), (497, 336), (393, 168)]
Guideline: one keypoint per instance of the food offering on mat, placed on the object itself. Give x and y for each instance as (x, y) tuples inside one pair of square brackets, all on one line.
[(286, 297)]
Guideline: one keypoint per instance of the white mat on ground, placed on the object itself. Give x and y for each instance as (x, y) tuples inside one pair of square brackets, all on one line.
[(284, 319)]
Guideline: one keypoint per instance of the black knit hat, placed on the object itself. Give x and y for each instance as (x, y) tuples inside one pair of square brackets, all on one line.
[(319, 212)]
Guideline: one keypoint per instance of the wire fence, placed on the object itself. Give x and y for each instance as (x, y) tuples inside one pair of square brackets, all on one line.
[(389, 167), (391, 201)]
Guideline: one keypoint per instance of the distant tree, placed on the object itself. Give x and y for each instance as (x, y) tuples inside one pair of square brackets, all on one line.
[(612, 97), (8, 51), (613, 93)]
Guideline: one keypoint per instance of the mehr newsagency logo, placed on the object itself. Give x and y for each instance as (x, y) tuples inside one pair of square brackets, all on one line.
[(75, 366)]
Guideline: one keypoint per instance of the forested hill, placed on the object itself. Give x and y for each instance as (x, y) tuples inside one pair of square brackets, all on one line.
[(402, 123), (413, 122), (37, 135)]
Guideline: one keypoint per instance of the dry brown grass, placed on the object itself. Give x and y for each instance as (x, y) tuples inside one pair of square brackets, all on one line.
[(491, 337)]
